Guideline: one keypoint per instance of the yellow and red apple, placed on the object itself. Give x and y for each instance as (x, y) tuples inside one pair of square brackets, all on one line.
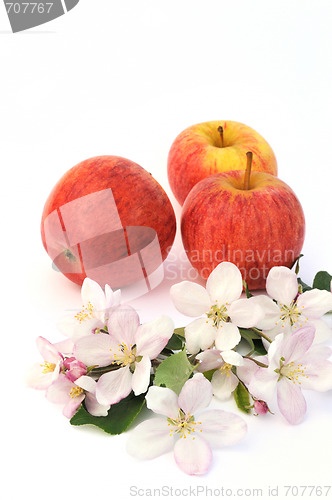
[(107, 218), (214, 147), (256, 226)]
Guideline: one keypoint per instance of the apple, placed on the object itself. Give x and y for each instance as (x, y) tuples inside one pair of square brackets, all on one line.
[(108, 219), (254, 221), (212, 147)]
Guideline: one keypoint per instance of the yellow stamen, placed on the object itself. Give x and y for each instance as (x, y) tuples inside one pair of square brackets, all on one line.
[(48, 367), (184, 425), (290, 314), (86, 313), (218, 314), (226, 369), (76, 391)]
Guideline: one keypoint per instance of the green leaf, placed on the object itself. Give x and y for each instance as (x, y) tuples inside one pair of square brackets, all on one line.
[(259, 347), (242, 398), (209, 374), (119, 417), (249, 336), (174, 371), (304, 286), (175, 343), (179, 331), (247, 333), (246, 289), (322, 281), (297, 264)]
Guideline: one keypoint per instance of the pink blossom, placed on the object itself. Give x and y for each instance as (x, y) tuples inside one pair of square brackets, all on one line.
[(184, 427), (41, 375), (71, 394), (130, 346), (294, 364)]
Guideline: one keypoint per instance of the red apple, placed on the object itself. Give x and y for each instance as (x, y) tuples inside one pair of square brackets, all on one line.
[(108, 219), (213, 147), (255, 228)]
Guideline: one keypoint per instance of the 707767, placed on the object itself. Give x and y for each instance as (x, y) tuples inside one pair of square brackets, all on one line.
[(29, 7)]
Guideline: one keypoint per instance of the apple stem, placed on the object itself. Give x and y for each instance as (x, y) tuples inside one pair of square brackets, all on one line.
[(221, 132), (248, 171)]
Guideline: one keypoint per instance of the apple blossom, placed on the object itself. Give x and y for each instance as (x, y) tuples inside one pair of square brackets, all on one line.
[(94, 314), (294, 364), (223, 381), (289, 309), (222, 309), (129, 347), (41, 375), (193, 436), (72, 394)]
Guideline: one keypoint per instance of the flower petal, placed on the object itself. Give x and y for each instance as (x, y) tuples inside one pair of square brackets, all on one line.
[(122, 324), (224, 283), (221, 428), (87, 383), (271, 312), (95, 408), (94, 350), (247, 371), (223, 384), (291, 401), (35, 378), (150, 439), (317, 372), (209, 360), (69, 326), (232, 357), (190, 298), (114, 386), (282, 285), (72, 406), (263, 384), (48, 351), (59, 391), (315, 303), (152, 337), (65, 346), (296, 345), (93, 293), (200, 335), (141, 376), (113, 299), (195, 395), (322, 330), (245, 313), (163, 401), (228, 336), (193, 455)]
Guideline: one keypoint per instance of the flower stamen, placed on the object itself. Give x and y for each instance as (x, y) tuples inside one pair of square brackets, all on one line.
[(218, 314), (76, 391), (184, 425), (290, 313), (86, 313), (48, 367)]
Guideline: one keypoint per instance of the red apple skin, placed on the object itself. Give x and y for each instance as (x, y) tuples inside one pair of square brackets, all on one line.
[(197, 153), (142, 207), (256, 229)]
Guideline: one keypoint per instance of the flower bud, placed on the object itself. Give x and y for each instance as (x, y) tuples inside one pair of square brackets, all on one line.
[(261, 407), (74, 369)]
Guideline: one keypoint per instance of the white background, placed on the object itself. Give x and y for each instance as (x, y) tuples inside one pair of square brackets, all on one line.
[(125, 78)]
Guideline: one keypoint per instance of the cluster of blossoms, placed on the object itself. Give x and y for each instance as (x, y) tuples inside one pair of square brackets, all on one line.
[(109, 356)]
